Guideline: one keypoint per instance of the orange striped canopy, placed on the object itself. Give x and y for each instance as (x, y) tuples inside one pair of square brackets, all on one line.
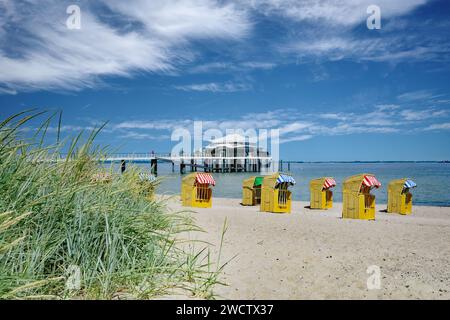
[(371, 181), (205, 178), (329, 183)]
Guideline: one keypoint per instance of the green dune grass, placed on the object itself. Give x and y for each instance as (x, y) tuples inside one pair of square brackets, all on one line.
[(65, 235)]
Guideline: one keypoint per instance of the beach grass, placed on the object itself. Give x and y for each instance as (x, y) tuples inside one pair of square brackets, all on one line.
[(65, 234)]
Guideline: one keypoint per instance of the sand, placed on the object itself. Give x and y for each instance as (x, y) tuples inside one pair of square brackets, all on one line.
[(314, 254)]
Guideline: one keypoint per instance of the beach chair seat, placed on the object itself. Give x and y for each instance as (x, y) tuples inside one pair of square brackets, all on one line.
[(357, 201), (400, 197), (275, 195), (321, 196), (196, 190), (251, 191)]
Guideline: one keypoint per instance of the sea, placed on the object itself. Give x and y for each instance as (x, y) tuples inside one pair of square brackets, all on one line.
[(432, 178)]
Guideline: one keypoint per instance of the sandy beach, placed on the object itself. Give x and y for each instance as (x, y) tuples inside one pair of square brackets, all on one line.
[(317, 255)]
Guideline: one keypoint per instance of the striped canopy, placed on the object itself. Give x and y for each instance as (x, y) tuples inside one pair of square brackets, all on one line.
[(409, 184), (283, 178), (205, 178), (371, 181), (329, 183)]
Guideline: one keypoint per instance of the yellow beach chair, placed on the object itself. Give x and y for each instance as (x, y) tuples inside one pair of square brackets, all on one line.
[(196, 190), (358, 202), (275, 196), (321, 196), (251, 191), (399, 196)]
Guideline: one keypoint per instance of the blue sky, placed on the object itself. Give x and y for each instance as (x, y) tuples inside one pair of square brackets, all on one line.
[(334, 88)]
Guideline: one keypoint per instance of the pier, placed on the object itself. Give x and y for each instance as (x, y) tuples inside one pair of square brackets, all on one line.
[(193, 163)]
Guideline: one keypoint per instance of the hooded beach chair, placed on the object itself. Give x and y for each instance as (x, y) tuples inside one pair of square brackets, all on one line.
[(275, 196), (399, 196), (251, 191), (321, 196), (196, 190), (358, 202)]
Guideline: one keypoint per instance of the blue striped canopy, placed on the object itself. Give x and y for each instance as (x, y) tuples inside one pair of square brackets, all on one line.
[(283, 178), (410, 184)]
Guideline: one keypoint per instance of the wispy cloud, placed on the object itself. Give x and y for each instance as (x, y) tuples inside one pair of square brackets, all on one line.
[(216, 87), (296, 138), (393, 48), (7, 91), (125, 38), (420, 115), (47, 55), (258, 65), (152, 125), (293, 125), (296, 126), (440, 126), (144, 136), (332, 12), (331, 31), (417, 95), (227, 67)]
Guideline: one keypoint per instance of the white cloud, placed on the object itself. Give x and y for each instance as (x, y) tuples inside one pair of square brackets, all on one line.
[(153, 125), (293, 125), (333, 12), (297, 138), (186, 19), (216, 87), (392, 48), (211, 67), (71, 129), (278, 115), (354, 128), (334, 30), (160, 36), (144, 136), (231, 67), (440, 126), (7, 91), (333, 116), (50, 56), (387, 107), (258, 65), (418, 115), (417, 95)]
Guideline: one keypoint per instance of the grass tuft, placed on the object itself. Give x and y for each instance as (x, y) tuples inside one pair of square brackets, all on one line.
[(72, 230)]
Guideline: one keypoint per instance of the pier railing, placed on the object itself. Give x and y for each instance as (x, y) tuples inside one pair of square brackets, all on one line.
[(203, 161), (130, 157)]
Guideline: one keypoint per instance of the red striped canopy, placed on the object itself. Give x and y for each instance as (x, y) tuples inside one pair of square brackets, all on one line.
[(205, 178), (371, 181), (329, 183)]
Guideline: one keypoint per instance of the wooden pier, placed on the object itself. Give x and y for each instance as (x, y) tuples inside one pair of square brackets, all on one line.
[(194, 163)]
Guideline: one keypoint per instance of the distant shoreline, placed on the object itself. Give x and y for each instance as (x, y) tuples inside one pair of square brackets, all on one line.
[(409, 161)]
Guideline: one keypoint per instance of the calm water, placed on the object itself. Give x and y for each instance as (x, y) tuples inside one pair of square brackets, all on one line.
[(433, 179)]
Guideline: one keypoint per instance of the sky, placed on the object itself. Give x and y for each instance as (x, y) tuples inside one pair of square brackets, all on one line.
[(335, 89)]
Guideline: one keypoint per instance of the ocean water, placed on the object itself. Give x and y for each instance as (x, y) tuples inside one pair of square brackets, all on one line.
[(433, 179)]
